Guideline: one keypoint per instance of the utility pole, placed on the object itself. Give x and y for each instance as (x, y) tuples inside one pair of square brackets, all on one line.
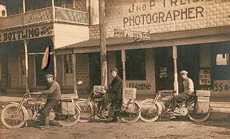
[(26, 52), (103, 52)]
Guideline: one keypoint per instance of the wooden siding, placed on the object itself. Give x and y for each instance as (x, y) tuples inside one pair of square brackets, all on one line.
[(66, 34)]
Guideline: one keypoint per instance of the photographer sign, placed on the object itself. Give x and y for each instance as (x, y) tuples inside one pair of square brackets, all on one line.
[(156, 16)]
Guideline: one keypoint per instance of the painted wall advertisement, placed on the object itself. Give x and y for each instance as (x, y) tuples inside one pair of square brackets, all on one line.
[(26, 33), (156, 16)]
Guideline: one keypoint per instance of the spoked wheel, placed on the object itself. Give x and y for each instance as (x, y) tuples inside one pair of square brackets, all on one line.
[(197, 116), (13, 116), (70, 119), (85, 109), (131, 113), (150, 110), (106, 111)]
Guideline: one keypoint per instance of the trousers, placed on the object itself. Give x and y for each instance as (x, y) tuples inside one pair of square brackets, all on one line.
[(50, 104)]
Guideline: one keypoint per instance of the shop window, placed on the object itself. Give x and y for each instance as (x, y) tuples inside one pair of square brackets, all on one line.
[(37, 4), (3, 13), (72, 4), (22, 64), (80, 5), (135, 65), (68, 64), (222, 59)]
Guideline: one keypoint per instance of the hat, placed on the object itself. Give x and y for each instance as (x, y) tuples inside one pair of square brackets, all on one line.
[(183, 72), (114, 69), (49, 75)]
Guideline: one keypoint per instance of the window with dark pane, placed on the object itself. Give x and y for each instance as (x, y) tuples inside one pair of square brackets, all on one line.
[(135, 65), (68, 64)]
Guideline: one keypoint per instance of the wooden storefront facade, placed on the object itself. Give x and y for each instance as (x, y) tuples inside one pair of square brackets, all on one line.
[(160, 39), (28, 29)]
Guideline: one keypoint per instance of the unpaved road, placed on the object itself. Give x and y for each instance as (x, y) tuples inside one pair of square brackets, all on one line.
[(140, 130)]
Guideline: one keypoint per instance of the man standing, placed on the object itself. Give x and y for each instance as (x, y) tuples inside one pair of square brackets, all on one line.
[(53, 98), (187, 91), (115, 89)]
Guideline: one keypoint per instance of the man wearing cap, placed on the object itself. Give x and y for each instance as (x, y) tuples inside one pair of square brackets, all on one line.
[(53, 93), (187, 91), (115, 89)]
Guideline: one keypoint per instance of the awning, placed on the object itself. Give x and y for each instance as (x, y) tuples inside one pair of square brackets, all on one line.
[(167, 39)]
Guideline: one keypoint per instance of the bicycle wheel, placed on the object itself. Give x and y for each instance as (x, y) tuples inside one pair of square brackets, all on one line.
[(13, 116), (150, 110), (130, 113), (70, 119)]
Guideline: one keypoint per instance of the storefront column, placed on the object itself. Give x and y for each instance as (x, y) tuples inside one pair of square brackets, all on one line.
[(26, 65), (123, 58), (176, 88), (74, 74), (53, 9), (54, 57)]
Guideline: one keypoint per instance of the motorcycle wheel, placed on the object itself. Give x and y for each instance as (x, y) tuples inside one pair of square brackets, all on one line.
[(150, 110), (71, 119), (86, 110), (132, 114), (198, 117), (11, 118)]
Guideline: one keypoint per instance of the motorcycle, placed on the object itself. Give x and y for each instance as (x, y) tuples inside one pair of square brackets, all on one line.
[(152, 109), (16, 115), (130, 111)]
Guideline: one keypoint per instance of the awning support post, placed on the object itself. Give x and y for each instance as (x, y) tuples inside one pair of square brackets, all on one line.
[(176, 88), (123, 58), (74, 74), (26, 65), (55, 58)]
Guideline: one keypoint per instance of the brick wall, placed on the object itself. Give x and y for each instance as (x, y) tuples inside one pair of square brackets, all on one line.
[(94, 32), (156, 16)]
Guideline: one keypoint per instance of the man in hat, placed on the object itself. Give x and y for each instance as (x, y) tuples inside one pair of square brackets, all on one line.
[(187, 91), (53, 98), (115, 89)]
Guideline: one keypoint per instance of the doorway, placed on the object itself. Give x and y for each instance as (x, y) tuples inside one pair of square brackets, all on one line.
[(164, 68), (188, 59)]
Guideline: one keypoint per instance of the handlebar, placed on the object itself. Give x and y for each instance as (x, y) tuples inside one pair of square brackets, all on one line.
[(36, 93)]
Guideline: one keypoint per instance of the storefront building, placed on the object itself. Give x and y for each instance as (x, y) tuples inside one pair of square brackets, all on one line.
[(161, 38), (27, 29)]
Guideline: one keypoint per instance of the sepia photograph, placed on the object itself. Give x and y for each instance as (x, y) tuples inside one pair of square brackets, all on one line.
[(114, 69)]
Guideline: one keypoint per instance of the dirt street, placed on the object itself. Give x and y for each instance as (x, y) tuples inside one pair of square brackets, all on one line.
[(140, 130)]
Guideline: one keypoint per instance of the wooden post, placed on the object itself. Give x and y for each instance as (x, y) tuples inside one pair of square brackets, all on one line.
[(26, 65), (176, 88), (53, 10), (24, 6), (103, 51), (55, 58), (74, 74), (123, 58)]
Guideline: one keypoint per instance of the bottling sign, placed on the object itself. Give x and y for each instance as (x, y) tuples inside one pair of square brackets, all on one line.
[(26, 33), (156, 16)]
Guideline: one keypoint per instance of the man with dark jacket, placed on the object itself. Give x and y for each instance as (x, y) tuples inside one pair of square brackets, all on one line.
[(115, 89)]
